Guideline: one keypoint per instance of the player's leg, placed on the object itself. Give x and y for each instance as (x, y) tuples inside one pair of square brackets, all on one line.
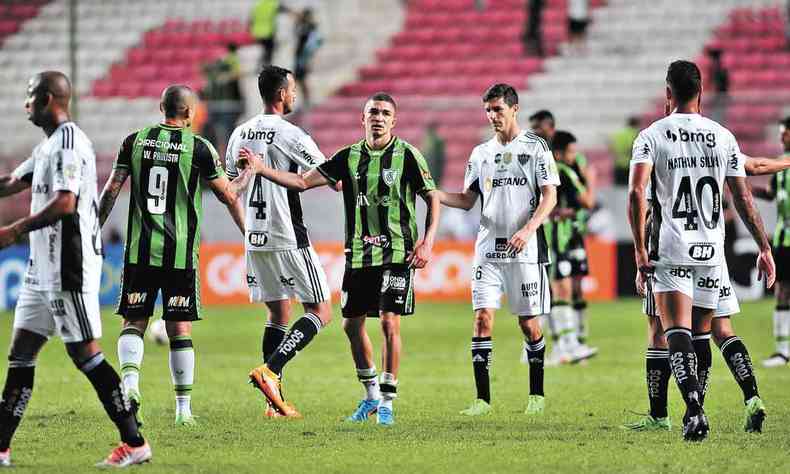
[(735, 354), (562, 320), (700, 336), (580, 308), (276, 327), (781, 315), (536, 351), (181, 361)]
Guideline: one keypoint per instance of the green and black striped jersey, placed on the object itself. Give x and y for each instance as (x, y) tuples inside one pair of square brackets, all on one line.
[(167, 165), (568, 192), (379, 192), (781, 187)]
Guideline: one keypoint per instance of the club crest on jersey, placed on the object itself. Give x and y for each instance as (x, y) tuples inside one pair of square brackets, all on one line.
[(523, 158), (389, 176)]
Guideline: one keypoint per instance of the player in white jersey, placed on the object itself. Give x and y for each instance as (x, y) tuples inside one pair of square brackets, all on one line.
[(515, 175), (281, 263), (60, 292), (686, 158)]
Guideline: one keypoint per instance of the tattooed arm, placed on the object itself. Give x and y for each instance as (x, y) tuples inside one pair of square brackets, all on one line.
[(744, 204), (110, 192)]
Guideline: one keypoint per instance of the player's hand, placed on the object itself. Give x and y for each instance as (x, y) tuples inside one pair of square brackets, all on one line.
[(766, 267), (421, 254), (641, 288), (518, 241), (8, 236), (248, 159), (643, 264)]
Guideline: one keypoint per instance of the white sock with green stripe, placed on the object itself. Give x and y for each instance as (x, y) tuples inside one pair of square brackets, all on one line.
[(782, 330), (565, 320), (182, 371), (130, 356)]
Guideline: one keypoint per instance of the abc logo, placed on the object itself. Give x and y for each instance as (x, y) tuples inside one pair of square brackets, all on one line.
[(725, 292), (708, 283), (680, 272), (701, 252)]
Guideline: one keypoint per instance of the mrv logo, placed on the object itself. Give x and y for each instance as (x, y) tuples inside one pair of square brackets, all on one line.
[(178, 301), (136, 298), (706, 137), (701, 252)]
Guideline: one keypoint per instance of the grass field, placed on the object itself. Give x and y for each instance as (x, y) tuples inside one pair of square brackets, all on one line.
[(65, 429)]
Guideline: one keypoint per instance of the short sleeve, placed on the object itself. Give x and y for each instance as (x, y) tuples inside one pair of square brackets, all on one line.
[(416, 170), (334, 169), (736, 161), (68, 166), (546, 170), (124, 158), (24, 171), (206, 158), (472, 174), (301, 149), (643, 150), (231, 153)]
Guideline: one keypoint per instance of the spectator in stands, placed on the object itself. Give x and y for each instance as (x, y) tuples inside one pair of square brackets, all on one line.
[(533, 33), (578, 19), (433, 149), (263, 27), (308, 40), (720, 77), (223, 95), (620, 145)]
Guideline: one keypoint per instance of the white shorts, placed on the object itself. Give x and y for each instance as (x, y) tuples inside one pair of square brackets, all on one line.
[(73, 315), (727, 304), (525, 284), (286, 274)]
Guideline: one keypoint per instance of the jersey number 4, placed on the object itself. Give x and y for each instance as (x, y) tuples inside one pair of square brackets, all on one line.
[(256, 198), (687, 207)]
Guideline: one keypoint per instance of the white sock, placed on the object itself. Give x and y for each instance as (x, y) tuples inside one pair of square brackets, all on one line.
[(389, 392), (182, 371), (565, 323), (130, 357), (368, 379), (782, 331)]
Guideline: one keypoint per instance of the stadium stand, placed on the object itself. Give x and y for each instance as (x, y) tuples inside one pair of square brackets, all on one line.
[(14, 13)]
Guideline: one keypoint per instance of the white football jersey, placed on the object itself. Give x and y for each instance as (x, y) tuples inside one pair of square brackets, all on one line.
[(508, 179), (66, 256), (273, 219), (691, 157)]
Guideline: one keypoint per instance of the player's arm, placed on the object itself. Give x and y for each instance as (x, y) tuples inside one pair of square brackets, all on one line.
[(10, 184), (292, 181), (548, 200), (744, 204), (423, 249), (464, 200), (637, 211), (228, 193), (64, 203), (110, 192), (756, 166)]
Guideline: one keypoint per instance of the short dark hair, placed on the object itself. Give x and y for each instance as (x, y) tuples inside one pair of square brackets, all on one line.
[(501, 90), (684, 80), (785, 122), (561, 140), (382, 97), (542, 115), (271, 80), (174, 101)]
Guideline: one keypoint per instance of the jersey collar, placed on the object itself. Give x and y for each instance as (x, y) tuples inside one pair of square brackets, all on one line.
[(370, 151)]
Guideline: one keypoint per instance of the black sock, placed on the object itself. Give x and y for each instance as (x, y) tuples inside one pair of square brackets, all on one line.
[(535, 353), (737, 357), (683, 361), (16, 395), (273, 335), (482, 347), (107, 384), (300, 335), (580, 306), (658, 373), (701, 342)]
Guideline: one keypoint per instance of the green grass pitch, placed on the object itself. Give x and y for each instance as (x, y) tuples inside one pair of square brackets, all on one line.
[(65, 429)]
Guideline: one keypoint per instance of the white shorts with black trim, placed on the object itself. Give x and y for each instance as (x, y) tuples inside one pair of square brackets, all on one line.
[(727, 302), (73, 315), (286, 274), (526, 286)]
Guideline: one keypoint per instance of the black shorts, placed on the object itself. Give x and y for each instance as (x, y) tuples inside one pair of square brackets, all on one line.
[(577, 26), (572, 262), (782, 260), (367, 291), (141, 285)]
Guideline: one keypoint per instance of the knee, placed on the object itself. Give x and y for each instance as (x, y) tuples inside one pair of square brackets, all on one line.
[(721, 334), (531, 328), (390, 326), (324, 313), (79, 352), (352, 327), (484, 321), (655, 334), (178, 328)]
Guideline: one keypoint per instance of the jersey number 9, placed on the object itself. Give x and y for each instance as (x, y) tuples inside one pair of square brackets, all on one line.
[(157, 190)]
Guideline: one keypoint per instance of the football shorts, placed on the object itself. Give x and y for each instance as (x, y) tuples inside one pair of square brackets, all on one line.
[(370, 290), (286, 274), (141, 285), (73, 315), (526, 286), (727, 303)]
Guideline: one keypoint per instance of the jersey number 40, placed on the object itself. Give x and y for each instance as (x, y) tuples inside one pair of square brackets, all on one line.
[(687, 207)]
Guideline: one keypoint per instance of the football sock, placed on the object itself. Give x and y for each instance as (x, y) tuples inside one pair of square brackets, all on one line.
[(273, 335), (536, 352), (182, 371), (658, 373), (130, 356), (300, 335), (782, 329), (683, 361), (580, 308), (554, 331), (566, 325), (108, 387), (737, 357), (701, 342), (369, 380), (389, 389), (481, 363), (16, 395)]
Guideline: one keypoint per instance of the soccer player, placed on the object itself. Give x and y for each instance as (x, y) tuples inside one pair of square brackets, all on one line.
[(381, 176), (516, 176), (60, 291), (778, 189), (687, 158), (543, 124), (281, 261), (168, 165), (566, 241)]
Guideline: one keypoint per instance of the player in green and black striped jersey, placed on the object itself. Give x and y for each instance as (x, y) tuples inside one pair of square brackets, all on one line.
[(380, 177), (779, 190), (169, 166)]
